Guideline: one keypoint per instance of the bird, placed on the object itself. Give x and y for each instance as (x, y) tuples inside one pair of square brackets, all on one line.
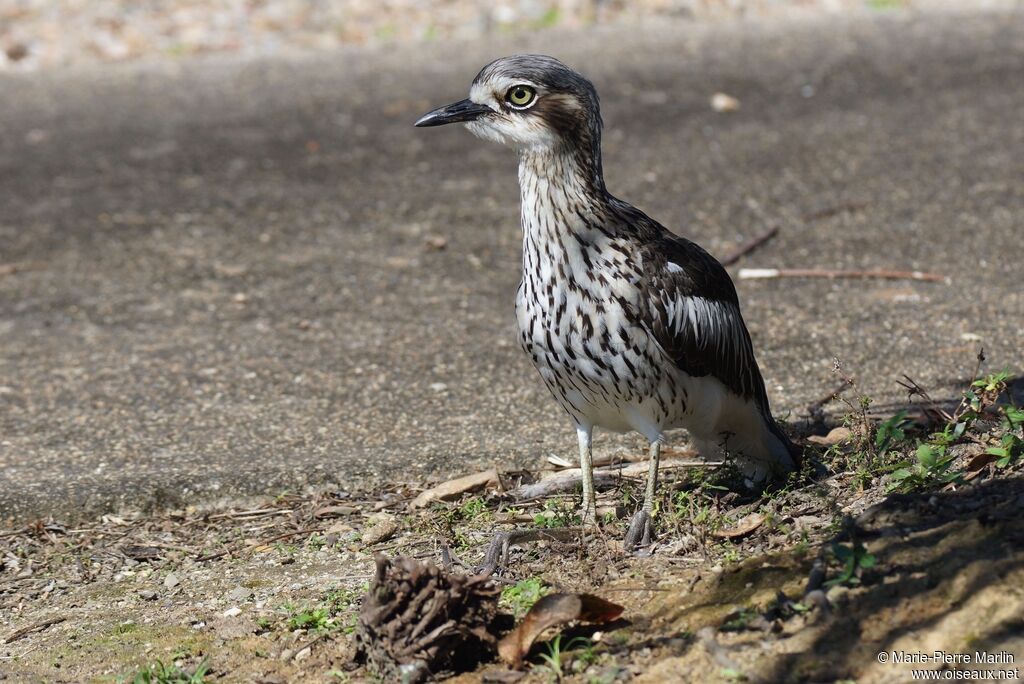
[(632, 327)]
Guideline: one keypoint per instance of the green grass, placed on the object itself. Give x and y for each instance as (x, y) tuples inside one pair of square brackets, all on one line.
[(160, 673), (884, 4), (335, 611), (555, 651), (853, 560), (919, 461), (557, 514), (521, 596)]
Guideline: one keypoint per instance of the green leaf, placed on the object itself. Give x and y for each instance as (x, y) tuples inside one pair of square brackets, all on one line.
[(927, 455)]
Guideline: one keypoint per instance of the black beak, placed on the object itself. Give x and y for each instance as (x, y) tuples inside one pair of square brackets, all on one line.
[(465, 110)]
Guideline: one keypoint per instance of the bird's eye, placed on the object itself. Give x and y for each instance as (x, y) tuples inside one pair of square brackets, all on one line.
[(520, 96)]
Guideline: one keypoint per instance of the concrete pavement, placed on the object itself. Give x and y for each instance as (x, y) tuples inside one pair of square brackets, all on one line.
[(221, 277)]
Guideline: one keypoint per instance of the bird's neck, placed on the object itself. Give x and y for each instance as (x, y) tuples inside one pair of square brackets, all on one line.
[(566, 218), (562, 192)]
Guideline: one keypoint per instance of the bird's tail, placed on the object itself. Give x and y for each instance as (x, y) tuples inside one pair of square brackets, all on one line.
[(758, 446), (796, 454)]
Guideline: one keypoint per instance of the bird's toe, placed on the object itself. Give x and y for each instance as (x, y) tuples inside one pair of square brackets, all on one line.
[(638, 536)]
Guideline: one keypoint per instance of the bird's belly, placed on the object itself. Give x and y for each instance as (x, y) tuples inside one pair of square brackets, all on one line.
[(605, 372)]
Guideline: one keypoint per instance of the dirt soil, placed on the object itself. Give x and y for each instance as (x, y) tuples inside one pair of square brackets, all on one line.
[(736, 587)]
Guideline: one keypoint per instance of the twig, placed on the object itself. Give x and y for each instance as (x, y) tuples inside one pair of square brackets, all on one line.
[(168, 547), (38, 627), (568, 480), (17, 267), (497, 552), (814, 409), (828, 212), (750, 245), (262, 542), (214, 556), (932, 411), (752, 273), (315, 641), (255, 513)]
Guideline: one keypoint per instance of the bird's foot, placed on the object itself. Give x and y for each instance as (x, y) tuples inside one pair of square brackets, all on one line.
[(638, 536)]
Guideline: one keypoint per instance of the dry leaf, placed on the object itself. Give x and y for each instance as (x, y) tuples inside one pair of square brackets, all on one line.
[(835, 436), (381, 528), (977, 463), (436, 242), (674, 452), (334, 511), (554, 609), (745, 526), (452, 489), (721, 102)]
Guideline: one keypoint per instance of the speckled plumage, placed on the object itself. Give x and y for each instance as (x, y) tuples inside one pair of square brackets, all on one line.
[(630, 326)]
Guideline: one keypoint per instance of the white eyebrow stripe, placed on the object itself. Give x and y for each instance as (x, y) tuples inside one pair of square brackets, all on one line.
[(487, 92)]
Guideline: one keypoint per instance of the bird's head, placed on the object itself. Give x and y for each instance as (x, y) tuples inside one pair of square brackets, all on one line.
[(532, 102)]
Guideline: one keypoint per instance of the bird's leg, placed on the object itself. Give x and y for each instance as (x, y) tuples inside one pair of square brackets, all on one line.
[(652, 476), (639, 533), (589, 511)]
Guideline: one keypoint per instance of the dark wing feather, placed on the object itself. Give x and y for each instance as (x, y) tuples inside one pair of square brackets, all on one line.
[(694, 314)]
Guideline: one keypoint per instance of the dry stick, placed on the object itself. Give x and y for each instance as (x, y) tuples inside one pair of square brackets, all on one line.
[(750, 245), (38, 627), (752, 273), (262, 542), (314, 642), (816, 408), (497, 552), (931, 408), (570, 479), (828, 212), (166, 547), (255, 513)]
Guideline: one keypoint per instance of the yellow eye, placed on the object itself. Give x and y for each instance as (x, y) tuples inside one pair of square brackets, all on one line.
[(521, 96)]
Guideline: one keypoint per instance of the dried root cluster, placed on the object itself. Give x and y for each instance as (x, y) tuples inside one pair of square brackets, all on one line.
[(418, 620)]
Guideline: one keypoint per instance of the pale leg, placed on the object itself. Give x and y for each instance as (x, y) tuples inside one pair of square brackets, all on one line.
[(584, 434), (652, 476)]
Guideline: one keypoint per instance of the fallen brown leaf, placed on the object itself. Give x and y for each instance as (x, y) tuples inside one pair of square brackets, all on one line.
[(721, 102), (454, 488), (334, 511), (745, 526), (554, 609), (977, 463), (380, 528), (835, 436)]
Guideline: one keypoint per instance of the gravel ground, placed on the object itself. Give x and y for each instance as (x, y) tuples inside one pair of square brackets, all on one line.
[(748, 590), (52, 33)]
